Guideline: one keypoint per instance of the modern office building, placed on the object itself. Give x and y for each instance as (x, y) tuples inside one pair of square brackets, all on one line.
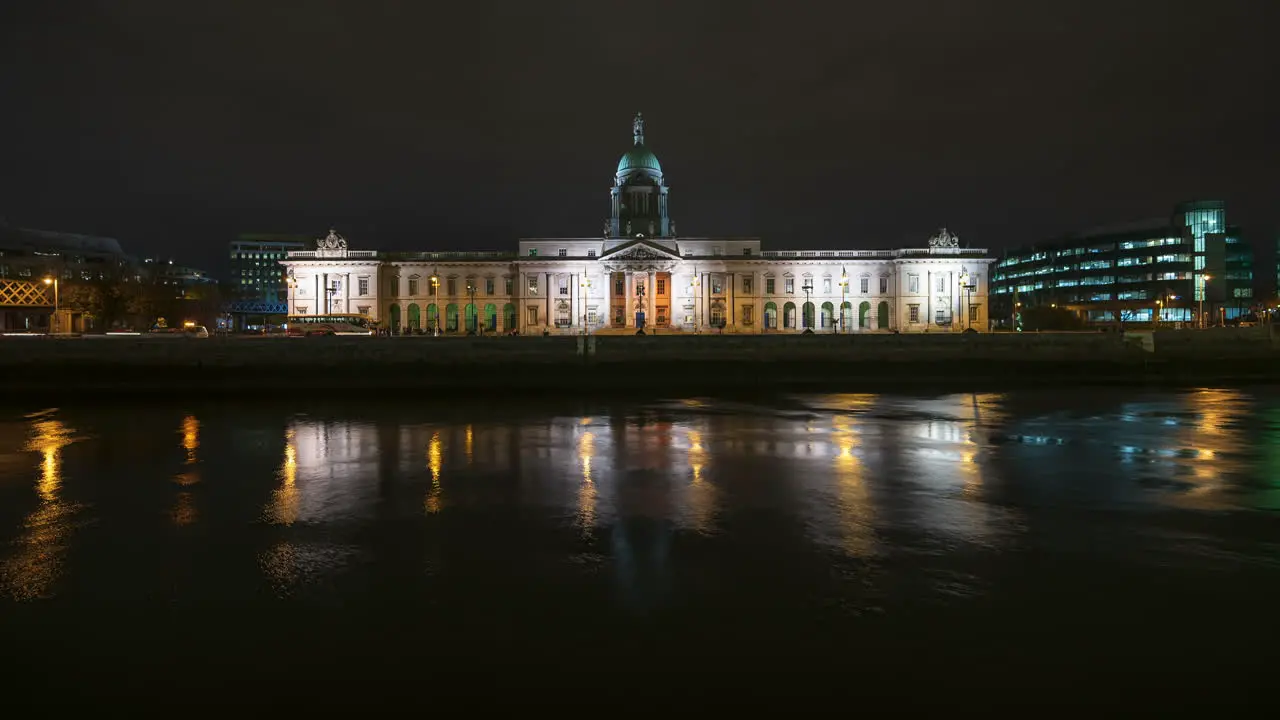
[(256, 273), (638, 273), (1166, 269)]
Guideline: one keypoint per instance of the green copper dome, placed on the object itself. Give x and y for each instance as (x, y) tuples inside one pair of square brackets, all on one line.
[(638, 158)]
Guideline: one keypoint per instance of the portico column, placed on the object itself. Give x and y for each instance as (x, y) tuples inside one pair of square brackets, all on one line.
[(650, 296), (629, 311)]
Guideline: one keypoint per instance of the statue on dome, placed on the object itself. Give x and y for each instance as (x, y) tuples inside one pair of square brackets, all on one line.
[(637, 128), (608, 228), (628, 227), (672, 223)]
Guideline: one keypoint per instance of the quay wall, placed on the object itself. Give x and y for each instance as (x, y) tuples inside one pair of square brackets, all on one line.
[(663, 363)]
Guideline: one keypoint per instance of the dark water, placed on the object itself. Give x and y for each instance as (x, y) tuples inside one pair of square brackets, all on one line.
[(1050, 546)]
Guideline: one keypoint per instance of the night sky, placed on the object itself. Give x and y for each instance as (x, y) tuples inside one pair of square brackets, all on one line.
[(173, 126)]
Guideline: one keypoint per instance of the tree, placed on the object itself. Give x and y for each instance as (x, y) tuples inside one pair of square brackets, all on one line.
[(1045, 317)]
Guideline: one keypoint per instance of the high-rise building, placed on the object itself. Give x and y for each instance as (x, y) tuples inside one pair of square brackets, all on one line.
[(256, 272), (1165, 269)]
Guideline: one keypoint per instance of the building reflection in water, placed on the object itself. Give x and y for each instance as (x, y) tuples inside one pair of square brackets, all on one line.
[(699, 507), (184, 510), (36, 566), (857, 515), (1207, 454), (587, 492)]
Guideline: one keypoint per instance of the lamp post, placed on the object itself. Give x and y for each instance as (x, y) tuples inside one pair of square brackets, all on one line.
[(53, 326), (693, 289), (435, 300), (804, 312), (586, 296), (1204, 290), (964, 311), (844, 286), (471, 291)]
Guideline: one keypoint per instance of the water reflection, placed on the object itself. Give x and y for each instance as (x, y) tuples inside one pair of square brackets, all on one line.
[(283, 508), (36, 566), (184, 511), (587, 492), (435, 463)]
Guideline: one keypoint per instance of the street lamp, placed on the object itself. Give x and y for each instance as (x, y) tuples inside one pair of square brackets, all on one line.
[(435, 299), (844, 286), (471, 291), (804, 312), (1204, 290), (53, 326), (693, 289), (586, 296)]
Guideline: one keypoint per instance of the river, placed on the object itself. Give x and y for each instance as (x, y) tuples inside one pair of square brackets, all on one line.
[(843, 544)]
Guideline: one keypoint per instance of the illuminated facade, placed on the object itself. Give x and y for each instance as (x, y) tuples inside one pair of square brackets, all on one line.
[(1136, 272), (638, 273)]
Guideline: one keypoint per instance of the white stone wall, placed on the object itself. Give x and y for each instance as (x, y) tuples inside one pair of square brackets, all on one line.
[(554, 294)]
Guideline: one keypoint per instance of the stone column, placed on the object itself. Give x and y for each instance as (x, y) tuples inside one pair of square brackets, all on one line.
[(650, 296), (629, 308)]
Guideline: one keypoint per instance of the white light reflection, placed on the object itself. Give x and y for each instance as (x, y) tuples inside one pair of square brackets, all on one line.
[(587, 493), (857, 517)]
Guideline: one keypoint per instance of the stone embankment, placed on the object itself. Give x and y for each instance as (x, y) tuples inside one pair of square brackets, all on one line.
[(653, 365)]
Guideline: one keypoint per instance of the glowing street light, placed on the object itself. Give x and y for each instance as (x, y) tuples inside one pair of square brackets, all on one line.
[(53, 327), (693, 289), (586, 296), (844, 286)]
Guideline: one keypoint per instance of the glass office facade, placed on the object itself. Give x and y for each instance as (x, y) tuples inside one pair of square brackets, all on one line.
[(1139, 272)]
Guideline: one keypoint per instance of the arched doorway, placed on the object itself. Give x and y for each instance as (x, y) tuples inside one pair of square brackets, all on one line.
[(433, 318), (470, 312), (451, 318), (789, 316), (828, 315), (864, 309), (882, 316), (395, 318), (415, 317), (808, 315), (770, 316), (491, 318), (846, 315), (508, 317)]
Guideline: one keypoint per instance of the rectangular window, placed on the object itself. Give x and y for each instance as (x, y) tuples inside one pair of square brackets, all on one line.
[(768, 286), (362, 309), (488, 286), (533, 252), (591, 253), (789, 286), (913, 313), (564, 285), (562, 252), (619, 284), (942, 283), (864, 285), (533, 316), (662, 286), (884, 285), (973, 313), (940, 317), (746, 314), (717, 284), (746, 285), (451, 287), (619, 317), (507, 284), (413, 286), (363, 285), (826, 286), (913, 284), (746, 251)]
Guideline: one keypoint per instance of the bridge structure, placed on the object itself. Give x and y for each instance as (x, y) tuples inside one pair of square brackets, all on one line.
[(256, 307), (25, 294)]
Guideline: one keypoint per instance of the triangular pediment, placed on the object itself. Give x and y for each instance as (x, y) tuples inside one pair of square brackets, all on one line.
[(640, 250)]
